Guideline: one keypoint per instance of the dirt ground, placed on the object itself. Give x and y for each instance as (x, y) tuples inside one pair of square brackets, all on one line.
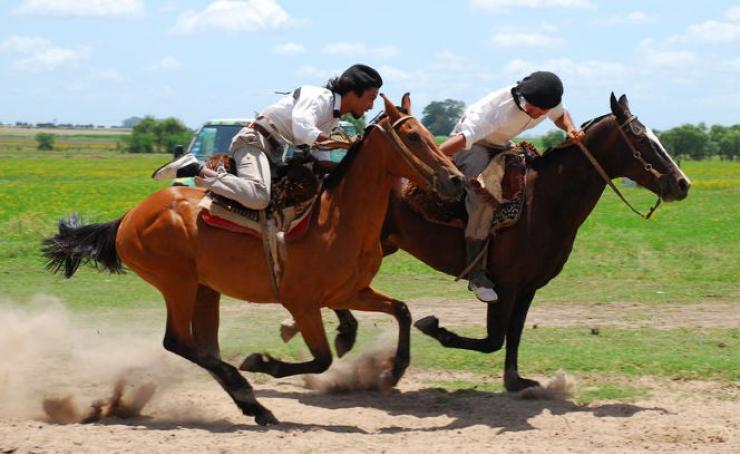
[(190, 413)]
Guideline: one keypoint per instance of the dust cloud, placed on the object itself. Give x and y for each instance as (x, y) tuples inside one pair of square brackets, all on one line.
[(61, 370), (369, 371)]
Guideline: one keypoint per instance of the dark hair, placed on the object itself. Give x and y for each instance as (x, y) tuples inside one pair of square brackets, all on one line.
[(357, 78), (542, 89)]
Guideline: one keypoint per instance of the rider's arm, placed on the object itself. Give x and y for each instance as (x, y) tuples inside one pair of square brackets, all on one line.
[(565, 122), (453, 144)]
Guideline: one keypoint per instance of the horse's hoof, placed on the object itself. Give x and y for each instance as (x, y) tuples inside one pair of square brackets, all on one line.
[(342, 344), (516, 384), (266, 419), (427, 325), (288, 329), (253, 363)]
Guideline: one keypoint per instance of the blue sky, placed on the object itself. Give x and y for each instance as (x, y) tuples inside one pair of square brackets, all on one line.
[(101, 61)]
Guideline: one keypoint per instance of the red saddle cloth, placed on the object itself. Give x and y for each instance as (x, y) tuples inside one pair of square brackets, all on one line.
[(295, 232)]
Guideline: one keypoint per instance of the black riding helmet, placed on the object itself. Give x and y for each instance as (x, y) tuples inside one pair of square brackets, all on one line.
[(542, 89)]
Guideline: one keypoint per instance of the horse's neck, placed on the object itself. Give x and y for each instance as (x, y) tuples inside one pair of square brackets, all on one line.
[(567, 186), (359, 202)]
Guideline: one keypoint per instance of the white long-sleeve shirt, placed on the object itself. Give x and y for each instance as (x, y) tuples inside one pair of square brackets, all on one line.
[(302, 120), (495, 119)]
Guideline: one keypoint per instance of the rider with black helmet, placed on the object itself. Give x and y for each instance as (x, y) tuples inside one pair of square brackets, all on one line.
[(485, 129)]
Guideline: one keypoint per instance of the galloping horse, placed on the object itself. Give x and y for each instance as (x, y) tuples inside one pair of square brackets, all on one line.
[(563, 187), (164, 240)]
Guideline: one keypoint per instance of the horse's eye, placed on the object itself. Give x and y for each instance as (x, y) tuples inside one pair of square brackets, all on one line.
[(414, 137)]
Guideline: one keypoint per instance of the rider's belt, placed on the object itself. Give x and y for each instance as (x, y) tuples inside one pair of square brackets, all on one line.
[(274, 143)]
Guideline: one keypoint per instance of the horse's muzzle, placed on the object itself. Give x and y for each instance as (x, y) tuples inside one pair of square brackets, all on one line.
[(449, 186), (674, 186)]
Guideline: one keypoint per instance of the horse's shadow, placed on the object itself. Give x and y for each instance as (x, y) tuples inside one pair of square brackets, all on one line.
[(468, 407)]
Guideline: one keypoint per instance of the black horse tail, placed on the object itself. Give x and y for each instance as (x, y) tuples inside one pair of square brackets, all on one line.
[(77, 243)]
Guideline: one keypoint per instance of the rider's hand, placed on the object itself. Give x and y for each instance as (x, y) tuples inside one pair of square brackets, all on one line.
[(575, 135)]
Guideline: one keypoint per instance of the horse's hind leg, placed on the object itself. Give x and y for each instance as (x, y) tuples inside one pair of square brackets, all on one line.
[(346, 332), (311, 328), (192, 332)]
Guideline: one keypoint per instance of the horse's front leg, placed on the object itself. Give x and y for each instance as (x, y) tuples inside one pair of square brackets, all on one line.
[(346, 331), (373, 301), (309, 324), (498, 315), (512, 381)]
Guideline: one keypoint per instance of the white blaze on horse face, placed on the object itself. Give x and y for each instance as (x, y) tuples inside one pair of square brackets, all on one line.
[(651, 135)]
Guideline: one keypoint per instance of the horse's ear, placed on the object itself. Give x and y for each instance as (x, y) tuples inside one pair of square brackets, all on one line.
[(624, 103), (390, 109), (617, 107), (406, 102)]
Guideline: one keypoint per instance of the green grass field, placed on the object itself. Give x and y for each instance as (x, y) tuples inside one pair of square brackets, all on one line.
[(688, 254)]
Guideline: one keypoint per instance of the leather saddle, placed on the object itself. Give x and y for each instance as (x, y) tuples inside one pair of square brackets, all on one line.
[(294, 190), (502, 185)]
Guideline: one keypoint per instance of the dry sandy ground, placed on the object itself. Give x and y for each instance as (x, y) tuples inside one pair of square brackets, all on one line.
[(190, 413)]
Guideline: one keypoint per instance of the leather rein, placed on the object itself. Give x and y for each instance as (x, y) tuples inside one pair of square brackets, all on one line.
[(635, 154), (423, 169)]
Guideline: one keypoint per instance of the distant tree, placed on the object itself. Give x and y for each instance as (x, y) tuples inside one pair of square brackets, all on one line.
[(170, 132), (553, 138), (151, 135), (687, 141), (440, 116), (45, 141), (142, 138), (130, 122), (726, 141)]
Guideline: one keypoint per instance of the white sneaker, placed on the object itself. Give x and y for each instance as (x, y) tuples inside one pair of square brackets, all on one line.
[(185, 166), (485, 294)]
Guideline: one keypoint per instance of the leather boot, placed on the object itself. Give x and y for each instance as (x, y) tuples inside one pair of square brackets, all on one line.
[(478, 280)]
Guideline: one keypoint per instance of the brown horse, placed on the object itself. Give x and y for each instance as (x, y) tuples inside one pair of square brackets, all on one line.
[(164, 240), (562, 190)]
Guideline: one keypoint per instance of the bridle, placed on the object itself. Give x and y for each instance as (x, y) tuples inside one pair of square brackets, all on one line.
[(635, 154), (421, 168)]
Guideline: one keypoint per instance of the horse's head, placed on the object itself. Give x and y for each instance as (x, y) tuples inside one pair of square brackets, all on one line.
[(416, 154), (650, 164)]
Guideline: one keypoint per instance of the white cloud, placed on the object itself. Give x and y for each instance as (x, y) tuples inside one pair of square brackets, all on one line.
[(713, 32), (289, 49), (733, 13), (662, 57), (107, 74), (519, 39), (506, 6), (360, 49), (234, 16), (633, 18), (80, 8), (393, 74), (167, 63), (38, 54)]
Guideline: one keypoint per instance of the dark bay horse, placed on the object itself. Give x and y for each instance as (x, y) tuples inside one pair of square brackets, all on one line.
[(562, 190), (164, 240)]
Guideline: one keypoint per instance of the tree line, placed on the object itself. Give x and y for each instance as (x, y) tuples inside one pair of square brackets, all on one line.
[(688, 141), (697, 142)]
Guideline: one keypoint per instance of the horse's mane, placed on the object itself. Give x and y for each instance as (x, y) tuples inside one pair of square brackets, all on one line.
[(336, 175), (553, 153)]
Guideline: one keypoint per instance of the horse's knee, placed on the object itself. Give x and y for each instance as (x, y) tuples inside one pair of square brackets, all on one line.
[(491, 345)]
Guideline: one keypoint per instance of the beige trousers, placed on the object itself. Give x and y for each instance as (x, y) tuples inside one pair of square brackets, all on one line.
[(471, 163), (251, 184)]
